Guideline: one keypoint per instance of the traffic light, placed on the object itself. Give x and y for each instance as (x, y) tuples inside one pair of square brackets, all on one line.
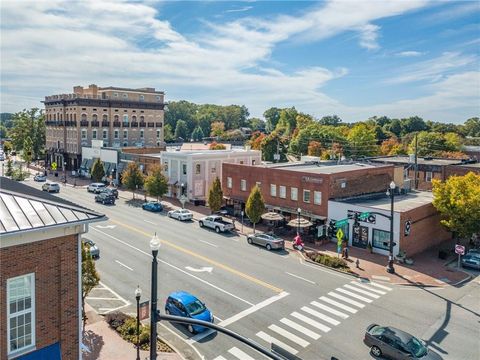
[(356, 217), (332, 228)]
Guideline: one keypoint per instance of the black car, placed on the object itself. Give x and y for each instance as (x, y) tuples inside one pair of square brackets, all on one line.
[(105, 198), (112, 191)]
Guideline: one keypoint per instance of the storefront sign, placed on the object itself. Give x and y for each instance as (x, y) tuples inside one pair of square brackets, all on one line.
[(408, 227), (371, 218), (313, 180)]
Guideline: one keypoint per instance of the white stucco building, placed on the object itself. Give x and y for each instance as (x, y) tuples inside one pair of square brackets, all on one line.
[(197, 170)]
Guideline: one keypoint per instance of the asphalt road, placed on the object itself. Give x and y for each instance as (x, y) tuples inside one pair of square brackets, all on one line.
[(266, 296)]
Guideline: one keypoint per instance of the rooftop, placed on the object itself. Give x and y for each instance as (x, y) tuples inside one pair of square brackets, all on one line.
[(185, 153), (403, 203), (420, 160), (325, 168)]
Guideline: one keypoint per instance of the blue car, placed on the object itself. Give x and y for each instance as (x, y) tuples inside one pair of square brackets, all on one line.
[(153, 206), (182, 303)]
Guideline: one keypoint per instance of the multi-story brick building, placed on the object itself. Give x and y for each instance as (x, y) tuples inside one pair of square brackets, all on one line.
[(40, 277), (117, 116)]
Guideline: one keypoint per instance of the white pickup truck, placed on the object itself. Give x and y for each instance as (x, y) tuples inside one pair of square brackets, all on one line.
[(215, 222)]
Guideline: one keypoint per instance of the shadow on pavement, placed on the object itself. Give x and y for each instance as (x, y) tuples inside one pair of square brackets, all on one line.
[(94, 343)]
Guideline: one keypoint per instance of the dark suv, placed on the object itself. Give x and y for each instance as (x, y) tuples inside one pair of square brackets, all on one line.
[(105, 198), (112, 191)]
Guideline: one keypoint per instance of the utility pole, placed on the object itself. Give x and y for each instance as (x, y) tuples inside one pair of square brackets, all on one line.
[(415, 182)]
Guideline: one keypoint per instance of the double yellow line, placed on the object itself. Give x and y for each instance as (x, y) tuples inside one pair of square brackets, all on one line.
[(201, 257)]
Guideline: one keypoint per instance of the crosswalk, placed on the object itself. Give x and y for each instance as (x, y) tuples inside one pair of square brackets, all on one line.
[(309, 323)]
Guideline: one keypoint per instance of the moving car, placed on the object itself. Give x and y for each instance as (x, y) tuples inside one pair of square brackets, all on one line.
[(471, 260), (215, 222), (92, 247), (40, 177), (153, 206), (396, 344), (96, 188), (105, 198), (270, 241), (182, 303), (180, 214), (112, 191), (51, 187)]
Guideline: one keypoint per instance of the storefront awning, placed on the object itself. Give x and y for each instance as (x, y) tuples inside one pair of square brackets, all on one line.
[(51, 352)]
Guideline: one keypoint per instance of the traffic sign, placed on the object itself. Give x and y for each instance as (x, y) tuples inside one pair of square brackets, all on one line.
[(459, 249), (54, 165), (341, 222), (339, 237)]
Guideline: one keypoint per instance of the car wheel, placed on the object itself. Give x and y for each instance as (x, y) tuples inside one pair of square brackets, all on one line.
[(190, 328), (200, 223), (167, 311), (269, 247), (217, 229), (169, 215), (375, 350), (249, 240)]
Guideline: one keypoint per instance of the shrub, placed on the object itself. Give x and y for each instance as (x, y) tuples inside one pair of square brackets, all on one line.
[(116, 319), (328, 260)]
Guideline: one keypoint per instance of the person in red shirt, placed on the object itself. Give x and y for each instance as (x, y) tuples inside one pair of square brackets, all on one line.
[(298, 243)]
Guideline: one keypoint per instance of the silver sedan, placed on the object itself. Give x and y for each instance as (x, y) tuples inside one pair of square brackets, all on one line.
[(180, 214), (270, 241)]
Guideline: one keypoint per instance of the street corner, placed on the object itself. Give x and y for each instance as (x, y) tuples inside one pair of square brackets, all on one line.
[(104, 300)]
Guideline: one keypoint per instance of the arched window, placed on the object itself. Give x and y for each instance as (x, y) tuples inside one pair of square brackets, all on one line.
[(134, 118), (125, 118), (54, 117), (84, 117), (115, 118), (142, 118), (105, 117), (94, 117), (74, 117)]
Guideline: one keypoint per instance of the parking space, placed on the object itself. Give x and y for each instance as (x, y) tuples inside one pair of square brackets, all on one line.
[(104, 300)]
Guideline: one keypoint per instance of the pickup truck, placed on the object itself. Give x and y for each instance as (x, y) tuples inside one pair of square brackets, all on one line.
[(215, 222)]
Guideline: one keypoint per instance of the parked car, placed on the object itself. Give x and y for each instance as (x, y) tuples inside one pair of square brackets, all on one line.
[(180, 214), (471, 260), (2, 157), (51, 187), (216, 222), (153, 206), (182, 303), (396, 344), (92, 247), (40, 177), (112, 191), (96, 188), (270, 241), (105, 198)]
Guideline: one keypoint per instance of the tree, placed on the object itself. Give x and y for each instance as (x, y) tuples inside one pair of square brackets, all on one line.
[(218, 128), (255, 206), (256, 140), (271, 116), (287, 121), (9, 171), (181, 130), (453, 141), (256, 124), (362, 140), (315, 148), (90, 277), (156, 183), (391, 147), (197, 134), (7, 147), (413, 124), (216, 146), (98, 172), (181, 110), (458, 200), (168, 133), (215, 196), (274, 144), (233, 135), (472, 127), (429, 143), (28, 123), (27, 150), (394, 126), (332, 120), (132, 177)]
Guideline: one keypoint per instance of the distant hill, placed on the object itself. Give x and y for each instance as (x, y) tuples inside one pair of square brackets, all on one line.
[(6, 119)]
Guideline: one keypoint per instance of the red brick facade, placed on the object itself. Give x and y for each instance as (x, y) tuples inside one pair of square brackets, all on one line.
[(55, 264)]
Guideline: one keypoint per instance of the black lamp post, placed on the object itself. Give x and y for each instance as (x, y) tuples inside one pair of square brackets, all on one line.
[(298, 220), (138, 293), (391, 193), (154, 246)]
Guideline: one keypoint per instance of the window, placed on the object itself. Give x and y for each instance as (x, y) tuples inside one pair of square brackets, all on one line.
[(381, 239), (165, 165), (125, 118), (258, 183), (94, 117), (142, 118), (317, 197), (214, 169), (83, 118), (294, 194), (184, 169), (94, 134), (306, 196), (282, 191), (243, 185), (142, 133), (141, 97), (197, 169), (158, 97), (104, 117), (229, 182), (21, 312), (253, 162), (273, 190), (428, 176), (158, 134), (84, 134), (115, 134), (115, 94), (125, 134), (343, 184), (125, 96), (105, 134), (241, 162)]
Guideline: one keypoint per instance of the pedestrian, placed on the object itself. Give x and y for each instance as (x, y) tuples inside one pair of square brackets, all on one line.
[(233, 223), (357, 263), (346, 253)]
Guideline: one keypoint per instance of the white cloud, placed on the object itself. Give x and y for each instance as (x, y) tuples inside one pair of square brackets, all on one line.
[(410, 53), (245, 8)]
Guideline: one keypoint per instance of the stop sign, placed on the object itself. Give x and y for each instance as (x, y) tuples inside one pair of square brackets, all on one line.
[(460, 249)]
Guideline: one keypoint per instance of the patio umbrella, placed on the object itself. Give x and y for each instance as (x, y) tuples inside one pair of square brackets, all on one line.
[(303, 223), (272, 216)]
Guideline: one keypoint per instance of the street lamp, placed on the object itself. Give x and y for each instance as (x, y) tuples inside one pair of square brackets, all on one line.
[(242, 220), (154, 246), (138, 293), (391, 193), (298, 220)]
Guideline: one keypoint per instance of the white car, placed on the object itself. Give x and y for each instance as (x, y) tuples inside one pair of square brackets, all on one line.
[(96, 188), (51, 187), (180, 214)]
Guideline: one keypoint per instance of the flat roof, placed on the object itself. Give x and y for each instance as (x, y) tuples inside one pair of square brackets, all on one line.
[(475, 165), (322, 168), (420, 160), (409, 201)]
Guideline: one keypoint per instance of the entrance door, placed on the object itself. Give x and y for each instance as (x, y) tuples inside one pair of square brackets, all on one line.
[(360, 236)]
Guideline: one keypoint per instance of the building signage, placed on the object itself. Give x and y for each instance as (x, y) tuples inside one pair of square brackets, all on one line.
[(408, 227), (371, 218), (313, 180), (144, 310)]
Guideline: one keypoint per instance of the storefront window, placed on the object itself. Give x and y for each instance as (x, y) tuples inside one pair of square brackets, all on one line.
[(381, 239)]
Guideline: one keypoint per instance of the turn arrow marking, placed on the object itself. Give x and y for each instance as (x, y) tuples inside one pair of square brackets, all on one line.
[(106, 226), (202, 269)]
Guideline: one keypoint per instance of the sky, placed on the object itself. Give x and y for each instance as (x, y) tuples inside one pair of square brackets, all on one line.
[(355, 58)]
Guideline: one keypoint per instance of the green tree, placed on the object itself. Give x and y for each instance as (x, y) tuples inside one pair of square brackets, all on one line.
[(3, 131), (156, 183), (394, 126), (324, 134), (271, 116), (256, 124), (181, 110), (168, 133), (272, 144), (453, 141), (132, 177), (428, 143), (181, 130), (362, 141), (28, 123), (98, 172), (197, 134), (472, 127), (7, 147), (9, 171), (331, 120), (90, 277), (255, 206), (413, 124), (458, 200), (287, 121), (217, 128), (234, 116), (215, 196), (27, 150)]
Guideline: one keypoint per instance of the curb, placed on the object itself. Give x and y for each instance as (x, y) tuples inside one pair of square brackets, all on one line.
[(328, 267)]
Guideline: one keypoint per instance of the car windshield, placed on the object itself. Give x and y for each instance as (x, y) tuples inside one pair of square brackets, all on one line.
[(416, 347), (196, 307), (184, 211), (377, 330)]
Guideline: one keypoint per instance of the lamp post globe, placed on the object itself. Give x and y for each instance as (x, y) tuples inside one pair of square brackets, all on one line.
[(138, 292), (392, 185), (155, 243)]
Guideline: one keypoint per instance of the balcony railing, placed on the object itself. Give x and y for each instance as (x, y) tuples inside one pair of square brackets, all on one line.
[(95, 123), (116, 123), (105, 124), (159, 124), (134, 124), (151, 124), (143, 124), (83, 123), (71, 123), (125, 124)]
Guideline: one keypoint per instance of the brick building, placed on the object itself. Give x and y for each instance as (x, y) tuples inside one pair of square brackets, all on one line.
[(40, 277), (120, 117), (463, 169)]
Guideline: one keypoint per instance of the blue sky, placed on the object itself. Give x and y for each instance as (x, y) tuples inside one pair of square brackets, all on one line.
[(352, 58)]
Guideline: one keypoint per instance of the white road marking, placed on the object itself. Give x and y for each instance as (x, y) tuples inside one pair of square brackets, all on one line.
[(310, 321), (299, 277), (320, 315), (368, 288), (300, 328), (363, 298), (380, 286), (347, 300), (109, 310), (354, 288), (122, 264), (329, 309), (337, 304), (114, 293), (101, 298), (219, 357), (202, 269), (181, 338), (150, 222), (199, 336), (240, 354), (106, 226), (206, 242), (379, 277), (289, 335), (270, 339)]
